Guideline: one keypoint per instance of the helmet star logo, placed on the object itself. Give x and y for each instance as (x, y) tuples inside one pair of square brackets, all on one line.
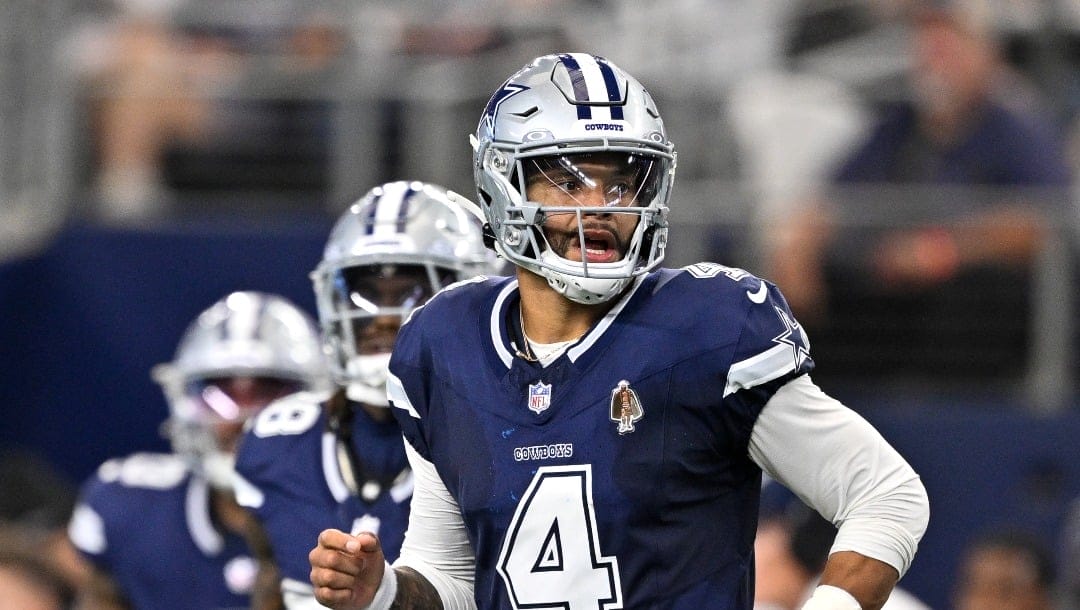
[(504, 93)]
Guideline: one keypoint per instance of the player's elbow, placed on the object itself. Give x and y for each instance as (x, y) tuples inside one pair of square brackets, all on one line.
[(890, 527), (908, 505)]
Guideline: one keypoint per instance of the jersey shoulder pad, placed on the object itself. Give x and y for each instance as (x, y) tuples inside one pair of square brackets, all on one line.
[(144, 471), (278, 431), (125, 486)]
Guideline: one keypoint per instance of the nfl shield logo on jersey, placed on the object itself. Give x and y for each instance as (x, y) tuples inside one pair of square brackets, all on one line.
[(539, 397)]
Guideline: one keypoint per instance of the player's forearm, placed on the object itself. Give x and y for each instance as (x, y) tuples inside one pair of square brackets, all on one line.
[(266, 592), (415, 592), (868, 580)]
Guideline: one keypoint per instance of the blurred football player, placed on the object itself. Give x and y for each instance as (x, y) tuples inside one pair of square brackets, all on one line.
[(163, 530), (337, 459), (529, 493)]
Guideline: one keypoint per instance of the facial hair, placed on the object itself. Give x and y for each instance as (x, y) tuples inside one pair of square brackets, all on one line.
[(559, 241)]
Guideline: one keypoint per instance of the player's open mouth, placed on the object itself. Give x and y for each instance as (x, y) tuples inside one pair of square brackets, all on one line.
[(600, 247)]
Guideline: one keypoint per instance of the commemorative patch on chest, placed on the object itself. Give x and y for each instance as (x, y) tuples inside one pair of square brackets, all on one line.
[(625, 407)]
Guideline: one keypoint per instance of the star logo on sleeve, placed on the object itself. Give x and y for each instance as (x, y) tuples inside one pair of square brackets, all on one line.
[(794, 336)]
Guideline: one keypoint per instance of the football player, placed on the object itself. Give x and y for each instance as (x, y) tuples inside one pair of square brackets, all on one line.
[(337, 459), (592, 432), (163, 530)]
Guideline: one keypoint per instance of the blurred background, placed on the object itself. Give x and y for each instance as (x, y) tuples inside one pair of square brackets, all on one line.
[(906, 173)]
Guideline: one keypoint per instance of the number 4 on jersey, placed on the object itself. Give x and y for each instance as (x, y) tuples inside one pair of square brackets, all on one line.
[(551, 556)]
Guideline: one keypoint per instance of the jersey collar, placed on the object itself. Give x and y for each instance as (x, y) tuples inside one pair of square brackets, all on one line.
[(501, 335)]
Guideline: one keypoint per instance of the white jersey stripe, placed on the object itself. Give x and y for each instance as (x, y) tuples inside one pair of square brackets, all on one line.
[(761, 368), (496, 325), (334, 481), (395, 391)]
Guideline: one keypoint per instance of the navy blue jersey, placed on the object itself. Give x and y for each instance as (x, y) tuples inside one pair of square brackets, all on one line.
[(145, 521), (289, 461), (619, 475)]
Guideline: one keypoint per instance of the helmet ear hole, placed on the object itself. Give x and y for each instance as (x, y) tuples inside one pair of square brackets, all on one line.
[(489, 236)]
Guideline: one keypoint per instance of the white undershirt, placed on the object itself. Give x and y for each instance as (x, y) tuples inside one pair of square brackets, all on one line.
[(824, 452), (546, 353)]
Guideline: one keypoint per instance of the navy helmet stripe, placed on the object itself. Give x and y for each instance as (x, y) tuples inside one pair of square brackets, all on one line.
[(581, 91), (369, 216), (403, 211), (612, 84)]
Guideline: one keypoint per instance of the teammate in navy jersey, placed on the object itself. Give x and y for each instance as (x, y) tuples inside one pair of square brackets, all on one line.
[(163, 530), (592, 433), (336, 459)]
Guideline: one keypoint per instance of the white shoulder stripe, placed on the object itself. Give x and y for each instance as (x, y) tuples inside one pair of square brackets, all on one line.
[(247, 495), (334, 481), (197, 509), (770, 364), (395, 391)]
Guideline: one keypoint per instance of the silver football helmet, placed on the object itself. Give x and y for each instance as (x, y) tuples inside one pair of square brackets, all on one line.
[(558, 114), (244, 351), (387, 255)]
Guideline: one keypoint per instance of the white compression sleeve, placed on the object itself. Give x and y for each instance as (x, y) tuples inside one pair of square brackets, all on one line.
[(436, 544), (837, 463)]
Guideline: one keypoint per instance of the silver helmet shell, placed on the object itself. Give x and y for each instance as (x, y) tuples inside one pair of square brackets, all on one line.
[(245, 334), (399, 229), (566, 104)]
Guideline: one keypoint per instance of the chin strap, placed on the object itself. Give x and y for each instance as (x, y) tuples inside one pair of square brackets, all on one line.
[(585, 290)]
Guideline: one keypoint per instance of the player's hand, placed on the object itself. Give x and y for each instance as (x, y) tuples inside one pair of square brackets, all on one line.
[(346, 570)]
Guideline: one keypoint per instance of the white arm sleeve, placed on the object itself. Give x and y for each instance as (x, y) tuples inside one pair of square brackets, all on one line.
[(436, 544), (837, 463)]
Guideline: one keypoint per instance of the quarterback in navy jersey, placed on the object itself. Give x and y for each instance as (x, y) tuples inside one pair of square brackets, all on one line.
[(336, 459), (592, 433), (163, 530)]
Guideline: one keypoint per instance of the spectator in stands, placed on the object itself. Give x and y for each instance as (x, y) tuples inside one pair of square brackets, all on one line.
[(790, 550), (144, 86), (1005, 571), (964, 177), (186, 97)]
